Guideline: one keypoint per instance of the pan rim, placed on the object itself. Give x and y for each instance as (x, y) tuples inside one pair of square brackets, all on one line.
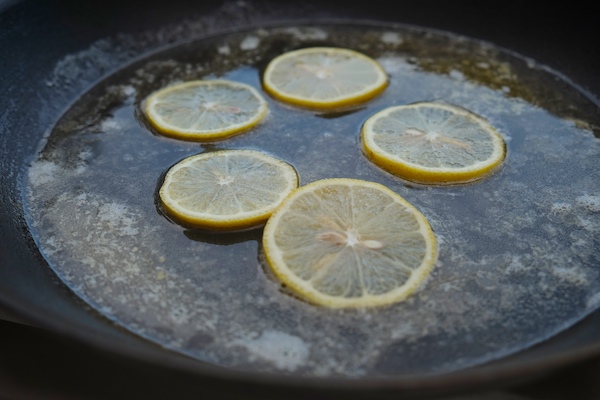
[(481, 376)]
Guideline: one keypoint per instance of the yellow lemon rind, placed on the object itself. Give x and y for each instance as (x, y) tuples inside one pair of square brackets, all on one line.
[(228, 223), (239, 222), (419, 174), (438, 176), (326, 104), (347, 101), (169, 130), (304, 291)]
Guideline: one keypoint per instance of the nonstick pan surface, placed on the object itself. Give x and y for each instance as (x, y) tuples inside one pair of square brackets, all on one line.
[(32, 291)]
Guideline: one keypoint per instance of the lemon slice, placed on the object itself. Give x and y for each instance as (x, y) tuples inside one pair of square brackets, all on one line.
[(226, 190), (324, 77), (349, 243), (432, 143), (205, 110)]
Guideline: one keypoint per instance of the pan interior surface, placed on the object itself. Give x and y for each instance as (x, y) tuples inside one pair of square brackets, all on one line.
[(517, 251)]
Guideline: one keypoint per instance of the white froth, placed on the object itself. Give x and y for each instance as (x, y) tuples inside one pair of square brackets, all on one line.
[(110, 124), (593, 302), (516, 265), (588, 224), (590, 202), (457, 75), (403, 330), (250, 42), (307, 33), (85, 154), (394, 65), (119, 218), (225, 49), (570, 274), (42, 172), (391, 38), (560, 208), (285, 351), (129, 90)]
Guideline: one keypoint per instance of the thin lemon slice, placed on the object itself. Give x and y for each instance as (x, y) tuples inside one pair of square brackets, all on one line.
[(226, 190), (349, 243), (324, 77), (205, 110), (432, 143)]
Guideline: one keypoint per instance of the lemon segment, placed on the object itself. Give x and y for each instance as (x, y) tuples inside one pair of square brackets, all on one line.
[(324, 77), (226, 190), (349, 243), (205, 110), (432, 143)]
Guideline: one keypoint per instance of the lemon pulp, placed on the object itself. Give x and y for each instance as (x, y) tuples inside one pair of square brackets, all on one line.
[(226, 190), (205, 110), (349, 243), (432, 143), (324, 77)]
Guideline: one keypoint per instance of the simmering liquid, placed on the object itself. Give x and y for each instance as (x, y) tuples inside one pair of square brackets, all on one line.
[(518, 252)]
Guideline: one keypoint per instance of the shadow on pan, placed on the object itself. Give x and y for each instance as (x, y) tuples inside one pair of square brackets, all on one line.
[(36, 36)]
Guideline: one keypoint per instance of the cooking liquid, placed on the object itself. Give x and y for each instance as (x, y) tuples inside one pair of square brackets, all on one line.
[(518, 250)]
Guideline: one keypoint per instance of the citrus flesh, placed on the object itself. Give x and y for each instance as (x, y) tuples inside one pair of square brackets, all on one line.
[(324, 77), (432, 143), (349, 243), (205, 110), (226, 190)]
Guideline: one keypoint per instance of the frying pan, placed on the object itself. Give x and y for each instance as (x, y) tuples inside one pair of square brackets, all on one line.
[(37, 37)]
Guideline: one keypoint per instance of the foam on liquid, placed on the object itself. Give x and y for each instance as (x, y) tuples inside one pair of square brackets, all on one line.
[(518, 251)]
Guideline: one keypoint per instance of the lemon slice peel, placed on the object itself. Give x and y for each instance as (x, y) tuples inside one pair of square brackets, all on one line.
[(324, 78), (226, 190), (205, 110), (482, 150)]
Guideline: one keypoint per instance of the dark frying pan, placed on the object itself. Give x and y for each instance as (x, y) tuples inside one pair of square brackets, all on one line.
[(36, 35)]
